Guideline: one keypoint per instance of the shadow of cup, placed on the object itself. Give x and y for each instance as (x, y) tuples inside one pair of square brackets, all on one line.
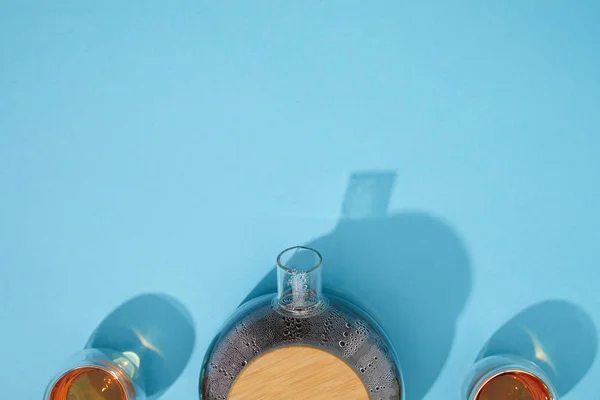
[(157, 330), (558, 336)]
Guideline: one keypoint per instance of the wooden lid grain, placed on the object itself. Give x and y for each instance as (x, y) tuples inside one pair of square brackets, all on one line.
[(298, 373)]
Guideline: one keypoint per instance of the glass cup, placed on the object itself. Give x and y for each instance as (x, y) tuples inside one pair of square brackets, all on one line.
[(98, 374), (507, 377), (135, 353)]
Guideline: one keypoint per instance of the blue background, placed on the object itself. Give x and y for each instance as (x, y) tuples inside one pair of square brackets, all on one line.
[(177, 147)]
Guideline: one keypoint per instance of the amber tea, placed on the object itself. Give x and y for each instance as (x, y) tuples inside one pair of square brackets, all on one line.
[(514, 385), (88, 383)]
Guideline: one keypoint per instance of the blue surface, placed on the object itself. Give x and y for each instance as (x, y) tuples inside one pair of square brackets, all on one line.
[(176, 148)]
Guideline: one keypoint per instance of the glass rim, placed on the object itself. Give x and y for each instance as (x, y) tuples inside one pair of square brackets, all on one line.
[(310, 249)]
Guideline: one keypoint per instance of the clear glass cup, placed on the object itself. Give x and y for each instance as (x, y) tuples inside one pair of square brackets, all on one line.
[(507, 377), (98, 374), (135, 353)]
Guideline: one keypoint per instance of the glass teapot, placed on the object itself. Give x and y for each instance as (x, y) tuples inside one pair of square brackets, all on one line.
[(300, 339)]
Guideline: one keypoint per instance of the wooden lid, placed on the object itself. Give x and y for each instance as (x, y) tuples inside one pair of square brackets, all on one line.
[(298, 373)]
